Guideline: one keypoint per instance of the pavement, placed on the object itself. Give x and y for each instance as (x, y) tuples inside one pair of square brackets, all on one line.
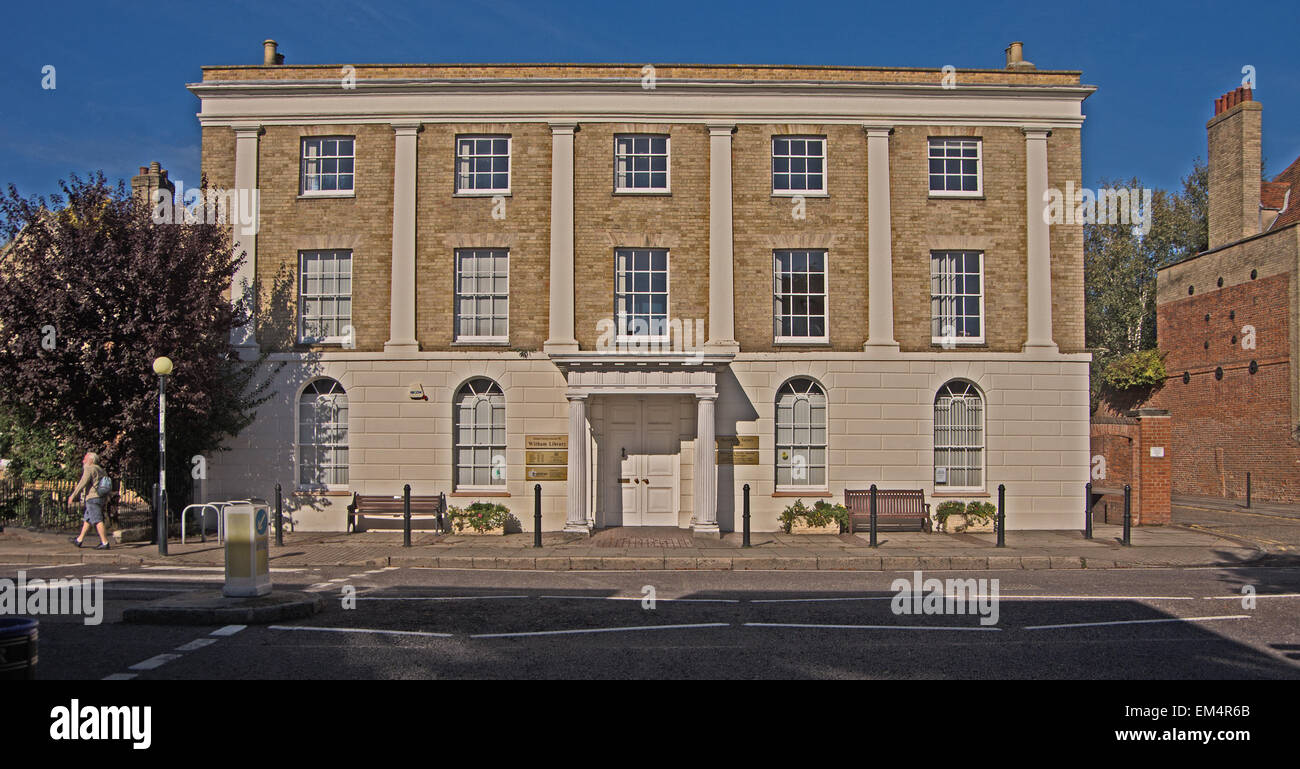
[(676, 549)]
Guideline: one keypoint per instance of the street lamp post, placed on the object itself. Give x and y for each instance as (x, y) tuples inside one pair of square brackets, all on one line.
[(163, 368)]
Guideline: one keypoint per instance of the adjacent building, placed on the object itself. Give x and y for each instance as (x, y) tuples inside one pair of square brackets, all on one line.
[(647, 287)]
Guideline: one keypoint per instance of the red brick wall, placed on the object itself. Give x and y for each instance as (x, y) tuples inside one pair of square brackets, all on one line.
[(1125, 443), (1223, 428)]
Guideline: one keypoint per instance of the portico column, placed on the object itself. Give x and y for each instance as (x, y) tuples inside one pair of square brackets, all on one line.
[(561, 338), (244, 337), (706, 482), (401, 327), (1039, 241), (722, 328), (576, 517), (880, 257)]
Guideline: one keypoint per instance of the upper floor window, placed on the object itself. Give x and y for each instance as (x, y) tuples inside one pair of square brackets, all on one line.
[(801, 434), (483, 164), (327, 165), (799, 296), (323, 435), (480, 411), (325, 297), (958, 437), (956, 297), (955, 168), (641, 292), (641, 164), (482, 295), (798, 165)]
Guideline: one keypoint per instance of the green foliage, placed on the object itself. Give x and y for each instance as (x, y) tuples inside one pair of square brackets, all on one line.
[(946, 509), (820, 514), (479, 516), (36, 452), (1145, 368), (981, 511)]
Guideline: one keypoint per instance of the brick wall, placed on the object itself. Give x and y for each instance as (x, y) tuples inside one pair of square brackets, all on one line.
[(1125, 444)]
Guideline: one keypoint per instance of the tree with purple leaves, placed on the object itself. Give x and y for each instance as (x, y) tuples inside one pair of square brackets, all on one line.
[(92, 290)]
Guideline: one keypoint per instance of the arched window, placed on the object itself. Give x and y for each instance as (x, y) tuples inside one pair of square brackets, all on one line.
[(480, 434), (958, 437), (323, 435), (801, 434)]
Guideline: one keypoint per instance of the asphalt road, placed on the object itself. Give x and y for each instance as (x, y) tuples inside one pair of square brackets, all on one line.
[(1276, 532), (426, 623)]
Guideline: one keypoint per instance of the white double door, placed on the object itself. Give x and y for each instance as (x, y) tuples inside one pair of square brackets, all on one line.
[(643, 439)]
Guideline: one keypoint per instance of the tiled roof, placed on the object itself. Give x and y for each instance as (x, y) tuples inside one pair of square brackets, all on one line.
[(1274, 194)]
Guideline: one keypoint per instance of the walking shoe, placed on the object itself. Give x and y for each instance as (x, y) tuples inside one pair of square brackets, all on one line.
[(75, 541), (102, 546)]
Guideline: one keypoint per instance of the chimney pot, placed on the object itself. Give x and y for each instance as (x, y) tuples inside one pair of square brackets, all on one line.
[(269, 55), (1016, 57)]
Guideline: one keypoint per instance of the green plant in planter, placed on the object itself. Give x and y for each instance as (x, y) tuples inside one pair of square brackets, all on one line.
[(946, 509), (821, 513), (981, 511), (479, 516)]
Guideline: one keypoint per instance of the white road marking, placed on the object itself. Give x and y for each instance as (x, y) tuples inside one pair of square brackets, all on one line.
[(228, 630), (601, 630), (816, 600), (119, 677), (1136, 622), (161, 577), (359, 630), (1240, 596), (154, 662), (25, 567), (866, 627), (169, 567), (635, 598), (197, 643), (437, 598)]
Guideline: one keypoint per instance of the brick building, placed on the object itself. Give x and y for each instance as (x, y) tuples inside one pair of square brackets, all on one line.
[(644, 288), (1228, 322)]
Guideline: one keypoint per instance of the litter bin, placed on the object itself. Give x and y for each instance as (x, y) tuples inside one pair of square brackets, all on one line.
[(248, 572), (18, 648)]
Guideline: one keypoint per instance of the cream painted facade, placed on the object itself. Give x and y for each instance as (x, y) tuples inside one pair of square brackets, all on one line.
[(635, 424)]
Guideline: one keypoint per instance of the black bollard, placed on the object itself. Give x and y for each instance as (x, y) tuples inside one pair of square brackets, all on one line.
[(873, 515), (1128, 513), (442, 509), (279, 518), (1247, 490), (1087, 510), (161, 495), (537, 515), (406, 515), (745, 517), (1002, 515)]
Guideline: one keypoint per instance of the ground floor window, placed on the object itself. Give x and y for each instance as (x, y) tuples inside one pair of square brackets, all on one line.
[(958, 437), (323, 435), (801, 435), (480, 444)]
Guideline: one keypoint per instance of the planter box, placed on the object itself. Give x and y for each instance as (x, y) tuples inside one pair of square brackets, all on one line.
[(801, 527), (960, 524), (469, 531)]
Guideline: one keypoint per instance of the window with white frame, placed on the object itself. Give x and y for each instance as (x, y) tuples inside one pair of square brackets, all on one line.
[(640, 163), (641, 292), (327, 165), (955, 167), (325, 297), (480, 409), (483, 164), (482, 295), (801, 435), (956, 297), (323, 435), (799, 296), (958, 437), (798, 165)]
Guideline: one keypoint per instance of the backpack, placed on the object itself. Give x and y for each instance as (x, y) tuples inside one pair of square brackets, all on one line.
[(105, 485)]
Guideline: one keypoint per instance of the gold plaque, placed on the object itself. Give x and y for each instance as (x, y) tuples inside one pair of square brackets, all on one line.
[(546, 457), (743, 442), (726, 457), (547, 473), (546, 441)]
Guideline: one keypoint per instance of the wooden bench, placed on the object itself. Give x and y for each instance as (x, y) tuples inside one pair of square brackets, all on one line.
[(896, 510), (385, 506)]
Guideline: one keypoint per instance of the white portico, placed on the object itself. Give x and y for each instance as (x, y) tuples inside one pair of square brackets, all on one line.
[(631, 422)]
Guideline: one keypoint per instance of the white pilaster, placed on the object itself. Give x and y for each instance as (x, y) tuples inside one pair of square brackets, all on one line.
[(244, 337), (1039, 241), (576, 516), (561, 338), (722, 311), (401, 329), (706, 480), (880, 256)]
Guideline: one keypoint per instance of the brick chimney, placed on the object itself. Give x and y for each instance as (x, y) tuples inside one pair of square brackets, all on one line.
[(1234, 138), (1016, 57), (150, 179)]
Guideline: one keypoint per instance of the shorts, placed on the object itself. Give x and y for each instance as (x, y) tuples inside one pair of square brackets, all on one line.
[(94, 510)]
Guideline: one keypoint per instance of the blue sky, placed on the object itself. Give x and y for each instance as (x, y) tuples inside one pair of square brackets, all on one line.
[(121, 67)]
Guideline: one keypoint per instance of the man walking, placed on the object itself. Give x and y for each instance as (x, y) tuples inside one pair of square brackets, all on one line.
[(88, 487)]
